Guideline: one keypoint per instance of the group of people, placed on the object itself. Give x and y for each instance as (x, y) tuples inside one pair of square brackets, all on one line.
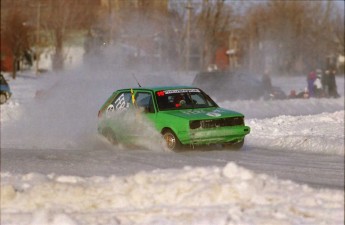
[(322, 83)]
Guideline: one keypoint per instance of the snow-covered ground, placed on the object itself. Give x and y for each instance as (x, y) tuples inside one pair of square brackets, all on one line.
[(59, 111)]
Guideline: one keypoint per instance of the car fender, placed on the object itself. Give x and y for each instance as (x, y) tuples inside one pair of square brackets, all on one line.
[(180, 126)]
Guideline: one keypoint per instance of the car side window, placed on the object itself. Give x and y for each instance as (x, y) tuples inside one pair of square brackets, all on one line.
[(199, 100), (121, 102), (144, 100)]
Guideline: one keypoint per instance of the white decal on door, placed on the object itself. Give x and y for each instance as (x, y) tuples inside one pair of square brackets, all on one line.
[(120, 103)]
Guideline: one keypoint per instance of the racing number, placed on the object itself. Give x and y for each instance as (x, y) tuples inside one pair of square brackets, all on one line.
[(120, 102)]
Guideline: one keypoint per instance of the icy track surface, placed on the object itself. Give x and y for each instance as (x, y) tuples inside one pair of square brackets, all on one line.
[(55, 169)]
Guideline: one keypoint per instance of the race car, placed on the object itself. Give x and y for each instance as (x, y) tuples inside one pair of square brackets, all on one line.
[(5, 92), (183, 115), (224, 85)]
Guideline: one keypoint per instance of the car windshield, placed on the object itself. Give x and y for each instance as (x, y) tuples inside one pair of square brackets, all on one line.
[(175, 99), (2, 80)]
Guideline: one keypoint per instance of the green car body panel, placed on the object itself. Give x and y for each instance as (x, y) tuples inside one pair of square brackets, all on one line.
[(208, 124)]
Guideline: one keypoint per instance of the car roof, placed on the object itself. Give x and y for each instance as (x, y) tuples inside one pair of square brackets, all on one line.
[(157, 88)]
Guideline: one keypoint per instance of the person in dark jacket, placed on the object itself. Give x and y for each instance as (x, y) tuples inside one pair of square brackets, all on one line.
[(266, 82), (332, 85), (331, 71)]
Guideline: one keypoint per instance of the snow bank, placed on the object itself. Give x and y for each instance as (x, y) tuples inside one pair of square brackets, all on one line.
[(229, 195), (322, 133)]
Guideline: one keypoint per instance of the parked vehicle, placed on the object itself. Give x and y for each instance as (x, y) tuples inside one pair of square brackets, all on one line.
[(5, 92), (235, 86), (183, 115)]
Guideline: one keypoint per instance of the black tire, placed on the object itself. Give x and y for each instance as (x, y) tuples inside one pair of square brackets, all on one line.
[(234, 146), (110, 136), (172, 141), (3, 98)]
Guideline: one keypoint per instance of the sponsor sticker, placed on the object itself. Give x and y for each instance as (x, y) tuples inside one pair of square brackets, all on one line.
[(214, 114), (181, 91), (110, 108), (194, 112)]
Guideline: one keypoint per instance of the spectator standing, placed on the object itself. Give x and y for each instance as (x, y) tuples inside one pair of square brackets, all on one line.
[(332, 85), (266, 82), (330, 74), (267, 85), (310, 80)]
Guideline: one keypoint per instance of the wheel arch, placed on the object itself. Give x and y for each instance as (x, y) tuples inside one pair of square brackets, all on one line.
[(180, 138), (178, 144), (168, 128)]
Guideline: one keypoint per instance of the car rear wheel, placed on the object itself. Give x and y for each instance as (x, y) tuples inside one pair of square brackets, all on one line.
[(110, 136), (171, 140), (234, 146), (3, 98)]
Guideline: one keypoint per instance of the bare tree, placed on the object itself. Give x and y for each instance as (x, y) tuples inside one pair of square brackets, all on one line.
[(339, 32), (291, 36), (213, 26), (16, 35), (142, 26), (63, 16), (60, 20), (254, 22)]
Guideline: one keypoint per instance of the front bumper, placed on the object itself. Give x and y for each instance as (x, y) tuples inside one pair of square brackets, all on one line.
[(215, 135)]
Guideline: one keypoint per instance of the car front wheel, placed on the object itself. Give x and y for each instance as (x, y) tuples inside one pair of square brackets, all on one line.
[(171, 140), (3, 98)]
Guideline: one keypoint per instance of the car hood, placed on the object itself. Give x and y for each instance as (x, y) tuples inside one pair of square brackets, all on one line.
[(203, 114), (4, 87)]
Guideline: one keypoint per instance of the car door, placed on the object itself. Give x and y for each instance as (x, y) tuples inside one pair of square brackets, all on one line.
[(144, 102), (116, 113)]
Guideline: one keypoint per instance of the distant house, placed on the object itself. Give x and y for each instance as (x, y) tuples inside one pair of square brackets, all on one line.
[(6, 57), (222, 58)]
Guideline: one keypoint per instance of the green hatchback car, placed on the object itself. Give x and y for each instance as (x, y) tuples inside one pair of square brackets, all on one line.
[(183, 115)]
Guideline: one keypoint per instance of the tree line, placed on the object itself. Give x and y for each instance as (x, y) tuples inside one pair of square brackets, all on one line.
[(280, 36)]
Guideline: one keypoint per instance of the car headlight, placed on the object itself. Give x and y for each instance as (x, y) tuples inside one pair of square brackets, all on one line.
[(195, 124)]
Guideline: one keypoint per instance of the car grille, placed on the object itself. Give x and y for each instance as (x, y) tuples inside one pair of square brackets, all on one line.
[(224, 122)]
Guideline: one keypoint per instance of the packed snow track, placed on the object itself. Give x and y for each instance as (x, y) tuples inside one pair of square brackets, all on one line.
[(317, 170)]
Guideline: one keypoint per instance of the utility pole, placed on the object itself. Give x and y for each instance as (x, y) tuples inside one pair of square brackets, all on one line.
[(230, 51), (38, 25), (189, 8), (111, 21), (233, 51)]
